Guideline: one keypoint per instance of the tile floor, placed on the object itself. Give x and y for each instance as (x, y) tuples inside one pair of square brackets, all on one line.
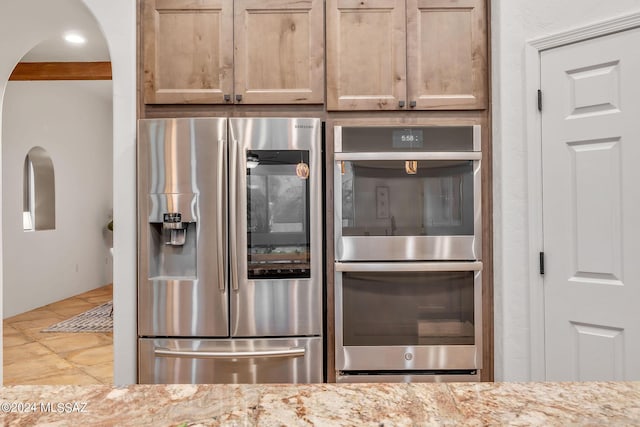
[(34, 357)]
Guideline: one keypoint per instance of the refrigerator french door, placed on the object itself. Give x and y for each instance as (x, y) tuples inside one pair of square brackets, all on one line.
[(230, 275)]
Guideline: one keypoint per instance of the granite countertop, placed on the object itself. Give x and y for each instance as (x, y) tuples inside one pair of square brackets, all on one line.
[(455, 404)]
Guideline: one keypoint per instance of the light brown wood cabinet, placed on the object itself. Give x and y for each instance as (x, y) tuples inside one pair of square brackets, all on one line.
[(406, 54), (225, 51)]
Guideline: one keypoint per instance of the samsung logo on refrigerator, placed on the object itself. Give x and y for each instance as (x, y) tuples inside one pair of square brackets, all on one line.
[(304, 126)]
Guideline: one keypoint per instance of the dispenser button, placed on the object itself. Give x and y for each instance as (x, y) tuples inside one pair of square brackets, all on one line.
[(172, 217)]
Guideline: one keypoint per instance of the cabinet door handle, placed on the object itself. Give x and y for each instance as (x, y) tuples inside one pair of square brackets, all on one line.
[(401, 104), (412, 104), (227, 98), (239, 98)]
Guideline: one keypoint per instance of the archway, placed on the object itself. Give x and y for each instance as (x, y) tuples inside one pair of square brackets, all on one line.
[(28, 22)]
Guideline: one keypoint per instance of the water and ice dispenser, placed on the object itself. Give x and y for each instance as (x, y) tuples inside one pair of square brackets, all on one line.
[(173, 229), (173, 242)]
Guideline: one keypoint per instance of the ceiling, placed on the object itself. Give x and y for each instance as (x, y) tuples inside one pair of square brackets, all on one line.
[(56, 49)]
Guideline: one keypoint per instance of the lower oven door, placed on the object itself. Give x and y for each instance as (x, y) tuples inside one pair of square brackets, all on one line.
[(249, 361), (404, 318)]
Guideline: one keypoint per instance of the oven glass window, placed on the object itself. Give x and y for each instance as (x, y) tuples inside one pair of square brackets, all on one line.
[(278, 214), (407, 198), (408, 308)]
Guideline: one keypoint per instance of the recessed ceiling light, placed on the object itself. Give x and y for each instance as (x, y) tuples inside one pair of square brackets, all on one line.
[(75, 38)]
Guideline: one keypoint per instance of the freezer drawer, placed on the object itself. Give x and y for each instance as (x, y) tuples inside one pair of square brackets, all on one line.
[(208, 361)]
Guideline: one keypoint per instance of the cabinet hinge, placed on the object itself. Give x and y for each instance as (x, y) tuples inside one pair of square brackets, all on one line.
[(539, 100), (541, 262)]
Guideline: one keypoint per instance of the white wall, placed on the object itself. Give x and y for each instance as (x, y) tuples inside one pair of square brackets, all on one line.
[(73, 121), (513, 23), (24, 24), (117, 18)]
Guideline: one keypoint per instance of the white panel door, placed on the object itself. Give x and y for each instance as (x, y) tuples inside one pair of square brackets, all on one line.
[(591, 208)]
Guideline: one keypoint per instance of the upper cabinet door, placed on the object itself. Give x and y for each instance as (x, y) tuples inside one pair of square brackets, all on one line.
[(279, 51), (447, 54), (366, 54), (188, 51)]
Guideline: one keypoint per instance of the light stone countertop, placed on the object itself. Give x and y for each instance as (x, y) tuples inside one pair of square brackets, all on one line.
[(453, 404)]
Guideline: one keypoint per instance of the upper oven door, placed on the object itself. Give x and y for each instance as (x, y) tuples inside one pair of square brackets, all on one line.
[(405, 204)]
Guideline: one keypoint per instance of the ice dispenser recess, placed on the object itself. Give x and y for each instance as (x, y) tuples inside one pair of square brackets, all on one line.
[(173, 236), (174, 230)]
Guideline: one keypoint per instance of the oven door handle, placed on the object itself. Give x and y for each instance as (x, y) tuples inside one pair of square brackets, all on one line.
[(414, 155), (408, 266), (282, 352)]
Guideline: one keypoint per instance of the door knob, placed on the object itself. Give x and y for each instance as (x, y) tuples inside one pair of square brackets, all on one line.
[(239, 98), (412, 104), (227, 98), (401, 104)]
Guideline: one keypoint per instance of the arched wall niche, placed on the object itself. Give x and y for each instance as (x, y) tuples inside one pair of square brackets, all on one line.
[(39, 191)]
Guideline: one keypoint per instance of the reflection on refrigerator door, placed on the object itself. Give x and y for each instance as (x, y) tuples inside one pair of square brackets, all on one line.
[(252, 313)]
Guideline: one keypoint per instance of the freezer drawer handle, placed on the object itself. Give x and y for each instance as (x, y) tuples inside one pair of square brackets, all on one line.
[(283, 352)]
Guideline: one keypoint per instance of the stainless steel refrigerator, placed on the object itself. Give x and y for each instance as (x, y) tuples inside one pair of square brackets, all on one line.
[(230, 250)]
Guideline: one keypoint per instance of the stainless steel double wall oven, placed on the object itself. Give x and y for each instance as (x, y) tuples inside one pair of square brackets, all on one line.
[(230, 251), (408, 256)]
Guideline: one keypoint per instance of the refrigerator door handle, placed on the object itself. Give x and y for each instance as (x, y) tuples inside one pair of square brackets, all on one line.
[(233, 213), (220, 211), (283, 352)]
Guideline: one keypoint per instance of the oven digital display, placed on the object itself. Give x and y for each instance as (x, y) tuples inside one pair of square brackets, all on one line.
[(407, 138)]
